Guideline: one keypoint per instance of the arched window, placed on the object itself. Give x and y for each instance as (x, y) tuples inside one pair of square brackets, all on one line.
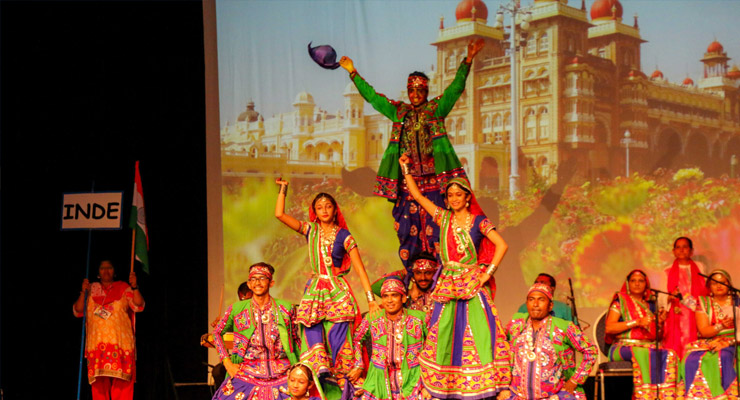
[(543, 123), (486, 123), (530, 124), (544, 43), (532, 45)]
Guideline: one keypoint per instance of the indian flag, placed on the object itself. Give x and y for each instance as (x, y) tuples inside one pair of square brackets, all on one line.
[(138, 224)]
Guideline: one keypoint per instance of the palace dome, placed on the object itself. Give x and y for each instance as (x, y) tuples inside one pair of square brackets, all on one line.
[(715, 47), (657, 74), (602, 10), (303, 98), (688, 82), (734, 72), (464, 10)]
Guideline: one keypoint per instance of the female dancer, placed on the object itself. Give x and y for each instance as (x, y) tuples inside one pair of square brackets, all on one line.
[(302, 384), (707, 368), (684, 281), (328, 312), (466, 355), (631, 320)]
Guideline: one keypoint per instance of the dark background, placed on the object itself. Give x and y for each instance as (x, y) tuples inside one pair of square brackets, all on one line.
[(88, 88)]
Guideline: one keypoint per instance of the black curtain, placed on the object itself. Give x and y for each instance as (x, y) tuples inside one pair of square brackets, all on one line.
[(88, 88)]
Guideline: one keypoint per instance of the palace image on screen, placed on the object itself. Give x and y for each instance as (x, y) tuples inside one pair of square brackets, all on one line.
[(627, 133)]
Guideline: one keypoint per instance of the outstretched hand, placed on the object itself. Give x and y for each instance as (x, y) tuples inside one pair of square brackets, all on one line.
[(473, 48), (346, 63)]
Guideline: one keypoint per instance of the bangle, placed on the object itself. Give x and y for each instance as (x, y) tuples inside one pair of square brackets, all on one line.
[(718, 327), (370, 296), (283, 189), (406, 168), (134, 288), (632, 323), (491, 269)]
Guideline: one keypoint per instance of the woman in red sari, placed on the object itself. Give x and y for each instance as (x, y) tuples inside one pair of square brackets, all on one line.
[(631, 330), (683, 279)]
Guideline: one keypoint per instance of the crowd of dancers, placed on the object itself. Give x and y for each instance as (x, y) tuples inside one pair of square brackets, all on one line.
[(435, 332)]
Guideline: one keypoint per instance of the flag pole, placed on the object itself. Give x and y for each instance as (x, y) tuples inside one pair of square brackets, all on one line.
[(84, 309), (133, 246)]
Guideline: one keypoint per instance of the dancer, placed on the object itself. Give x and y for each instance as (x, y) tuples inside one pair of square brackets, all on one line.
[(630, 328), (327, 313), (466, 355), (543, 349), (707, 368), (303, 383), (264, 342), (397, 335), (110, 345), (424, 268), (418, 131), (683, 281), (559, 309)]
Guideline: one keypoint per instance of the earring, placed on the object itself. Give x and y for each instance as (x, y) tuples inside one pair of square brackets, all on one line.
[(467, 204), (448, 206)]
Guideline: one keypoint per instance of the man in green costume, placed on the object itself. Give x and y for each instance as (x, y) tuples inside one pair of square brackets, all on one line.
[(418, 131), (397, 335), (264, 341)]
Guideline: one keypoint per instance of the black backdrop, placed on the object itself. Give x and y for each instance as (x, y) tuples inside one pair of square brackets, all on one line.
[(87, 89)]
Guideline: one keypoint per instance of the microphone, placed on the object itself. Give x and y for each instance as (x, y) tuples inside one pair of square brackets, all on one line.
[(678, 295)]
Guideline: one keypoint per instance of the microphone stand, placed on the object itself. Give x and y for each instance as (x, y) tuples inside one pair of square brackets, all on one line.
[(734, 295), (653, 300), (573, 308)]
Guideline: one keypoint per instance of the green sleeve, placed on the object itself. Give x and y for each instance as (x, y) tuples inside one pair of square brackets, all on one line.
[(453, 92), (379, 102)]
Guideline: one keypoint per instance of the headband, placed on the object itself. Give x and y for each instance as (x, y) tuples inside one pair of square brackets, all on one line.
[(393, 285), (259, 270), (538, 287), (417, 82), (423, 264)]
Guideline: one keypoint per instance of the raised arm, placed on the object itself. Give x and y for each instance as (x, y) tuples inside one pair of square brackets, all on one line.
[(427, 204), (474, 47), (280, 214), (354, 256), (379, 102)]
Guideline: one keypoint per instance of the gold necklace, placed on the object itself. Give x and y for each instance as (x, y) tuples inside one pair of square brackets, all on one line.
[(461, 240), (326, 244)]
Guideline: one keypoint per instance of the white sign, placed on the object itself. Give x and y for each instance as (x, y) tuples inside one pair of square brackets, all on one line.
[(92, 210)]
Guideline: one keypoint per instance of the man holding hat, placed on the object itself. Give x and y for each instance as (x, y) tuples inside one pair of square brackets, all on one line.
[(264, 341), (419, 132), (543, 349), (397, 336)]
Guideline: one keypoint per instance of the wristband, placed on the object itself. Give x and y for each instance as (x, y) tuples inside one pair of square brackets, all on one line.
[(370, 296), (406, 168), (632, 323), (491, 269), (283, 189)]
